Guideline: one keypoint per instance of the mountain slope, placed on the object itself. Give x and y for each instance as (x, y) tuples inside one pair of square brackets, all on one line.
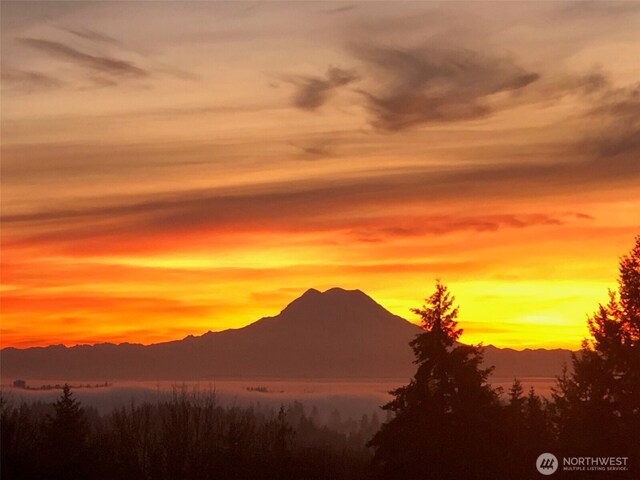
[(334, 334)]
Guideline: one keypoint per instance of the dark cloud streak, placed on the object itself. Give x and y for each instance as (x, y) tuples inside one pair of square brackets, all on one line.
[(304, 199), (313, 92), (446, 224), (92, 35), (430, 85), (319, 205), (337, 10), (30, 82), (619, 112), (101, 64)]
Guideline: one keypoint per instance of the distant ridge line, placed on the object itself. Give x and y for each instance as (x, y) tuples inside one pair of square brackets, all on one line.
[(337, 333)]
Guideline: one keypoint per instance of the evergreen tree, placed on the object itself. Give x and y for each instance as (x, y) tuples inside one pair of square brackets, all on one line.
[(67, 438), (69, 415), (536, 422), (597, 404), (515, 395), (446, 422), (281, 441), (515, 411)]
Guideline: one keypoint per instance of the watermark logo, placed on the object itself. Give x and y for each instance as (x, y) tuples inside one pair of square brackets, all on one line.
[(547, 463)]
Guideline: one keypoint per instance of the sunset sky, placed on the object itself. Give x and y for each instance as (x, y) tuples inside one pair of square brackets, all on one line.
[(171, 168)]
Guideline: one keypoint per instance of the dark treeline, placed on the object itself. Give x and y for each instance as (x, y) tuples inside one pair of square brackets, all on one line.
[(187, 436), (447, 423)]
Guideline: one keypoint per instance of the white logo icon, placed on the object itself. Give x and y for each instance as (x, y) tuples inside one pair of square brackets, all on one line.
[(547, 463)]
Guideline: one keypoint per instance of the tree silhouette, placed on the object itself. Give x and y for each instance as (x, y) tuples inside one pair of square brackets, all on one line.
[(67, 437), (515, 396), (446, 420), (597, 404), (282, 443)]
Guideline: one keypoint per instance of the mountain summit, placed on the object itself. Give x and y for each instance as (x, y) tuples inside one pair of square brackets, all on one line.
[(336, 333), (337, 311), (333, 334)]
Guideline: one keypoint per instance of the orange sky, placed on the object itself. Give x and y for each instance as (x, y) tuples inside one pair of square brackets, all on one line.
[(172, 168)]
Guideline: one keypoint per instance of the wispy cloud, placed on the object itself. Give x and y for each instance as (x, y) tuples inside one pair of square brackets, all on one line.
[(619, 111), (313, 92), (427, 85), (96, 63), (322, 205), (92, 35), (316, 148), (590, 8), (29, 81), (446, 224), (342, 9)]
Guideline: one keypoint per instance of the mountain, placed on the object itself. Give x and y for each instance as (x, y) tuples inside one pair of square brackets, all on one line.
[(333, 334)]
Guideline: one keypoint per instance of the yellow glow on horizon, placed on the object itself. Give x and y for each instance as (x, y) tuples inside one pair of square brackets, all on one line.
[(518, 314)]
